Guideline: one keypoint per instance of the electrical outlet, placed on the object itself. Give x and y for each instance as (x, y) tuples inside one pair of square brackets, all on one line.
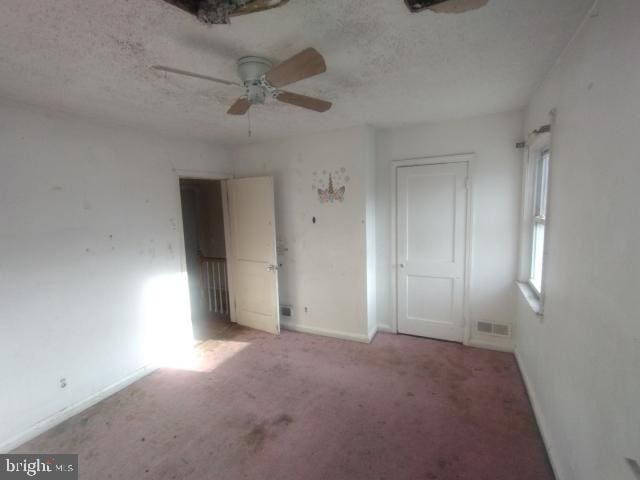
[(63, 383)]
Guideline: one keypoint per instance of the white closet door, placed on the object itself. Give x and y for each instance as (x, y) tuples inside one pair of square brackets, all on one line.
[(431, 233)]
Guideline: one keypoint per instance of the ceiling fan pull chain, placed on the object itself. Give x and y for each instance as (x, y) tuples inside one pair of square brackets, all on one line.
[(249, 119)]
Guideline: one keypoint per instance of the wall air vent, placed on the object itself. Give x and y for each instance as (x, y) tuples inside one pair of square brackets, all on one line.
[(485, 327), (286, 311), (493, 329)]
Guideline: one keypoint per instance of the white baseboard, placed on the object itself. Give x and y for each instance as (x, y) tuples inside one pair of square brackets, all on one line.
[(373, 331), (386, 329), (68, 412), (490, 342), (489, 345), (542, 425), (296, 327)]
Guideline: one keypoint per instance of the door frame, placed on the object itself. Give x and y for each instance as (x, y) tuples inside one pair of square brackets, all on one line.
[(470, 159), (181, 174)]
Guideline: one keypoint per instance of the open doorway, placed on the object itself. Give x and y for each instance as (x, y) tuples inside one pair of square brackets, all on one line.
[(230, 251), (206, 257)]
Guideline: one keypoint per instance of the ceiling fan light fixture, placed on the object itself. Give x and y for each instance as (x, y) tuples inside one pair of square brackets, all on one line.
[(256, 95), (252, 68)]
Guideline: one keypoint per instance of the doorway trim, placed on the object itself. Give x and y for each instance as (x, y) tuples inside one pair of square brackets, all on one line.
[(181, 174), (470, 159)]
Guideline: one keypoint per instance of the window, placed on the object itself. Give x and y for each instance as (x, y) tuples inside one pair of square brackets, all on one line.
[(534, 224), (540, 180)]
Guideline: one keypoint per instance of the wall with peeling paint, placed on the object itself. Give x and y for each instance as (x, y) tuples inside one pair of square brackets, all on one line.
[(323, 272), (582, 359), (91, 226)]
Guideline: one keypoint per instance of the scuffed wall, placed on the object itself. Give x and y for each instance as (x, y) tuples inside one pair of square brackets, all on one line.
[(328, 266), (496, 199), (321, 231), (582, 359), (92, 267)]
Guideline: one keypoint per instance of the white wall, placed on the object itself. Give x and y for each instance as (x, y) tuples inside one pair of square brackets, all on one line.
[(582, 360), (371, 232), (496, 195), (324, 268), (92, 254)]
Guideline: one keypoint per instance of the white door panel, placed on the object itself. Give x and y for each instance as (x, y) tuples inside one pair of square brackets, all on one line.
[(431, 224), (430, 230), (253, 251)]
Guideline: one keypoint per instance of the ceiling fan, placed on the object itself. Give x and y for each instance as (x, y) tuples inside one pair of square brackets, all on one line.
[(262, 80)]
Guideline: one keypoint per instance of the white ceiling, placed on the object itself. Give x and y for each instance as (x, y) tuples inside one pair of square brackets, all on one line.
[(385, 65)]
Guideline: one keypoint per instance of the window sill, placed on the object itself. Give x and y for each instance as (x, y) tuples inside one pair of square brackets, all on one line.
[(531, 298)]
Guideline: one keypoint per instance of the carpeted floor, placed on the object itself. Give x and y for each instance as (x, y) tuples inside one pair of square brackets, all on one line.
[(298, 407)]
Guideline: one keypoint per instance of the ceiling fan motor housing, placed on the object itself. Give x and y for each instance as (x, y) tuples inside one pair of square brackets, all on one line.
[(251, 71)]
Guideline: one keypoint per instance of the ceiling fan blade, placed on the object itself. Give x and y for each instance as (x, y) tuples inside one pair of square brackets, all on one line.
[(303, 101), (303, 65), (195, 75), (239, 107)]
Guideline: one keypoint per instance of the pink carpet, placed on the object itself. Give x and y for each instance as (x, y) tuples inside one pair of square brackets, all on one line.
[(298, 407)]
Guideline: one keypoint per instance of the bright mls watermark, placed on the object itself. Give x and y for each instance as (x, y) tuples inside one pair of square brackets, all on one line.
[(39, 466)]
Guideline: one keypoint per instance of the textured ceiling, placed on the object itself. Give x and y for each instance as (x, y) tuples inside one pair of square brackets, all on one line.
[(386, 66)]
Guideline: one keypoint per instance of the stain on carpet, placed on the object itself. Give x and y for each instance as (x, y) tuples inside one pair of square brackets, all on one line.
[(306, 407)]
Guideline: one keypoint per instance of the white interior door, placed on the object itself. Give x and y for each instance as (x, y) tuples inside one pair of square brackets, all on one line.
[(252, 250), (431, 239)]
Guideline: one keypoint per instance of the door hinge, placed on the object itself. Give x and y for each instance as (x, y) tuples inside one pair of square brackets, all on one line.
[(467, 183)]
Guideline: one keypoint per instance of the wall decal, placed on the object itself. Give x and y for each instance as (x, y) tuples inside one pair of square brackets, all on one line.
[(331, 190)]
